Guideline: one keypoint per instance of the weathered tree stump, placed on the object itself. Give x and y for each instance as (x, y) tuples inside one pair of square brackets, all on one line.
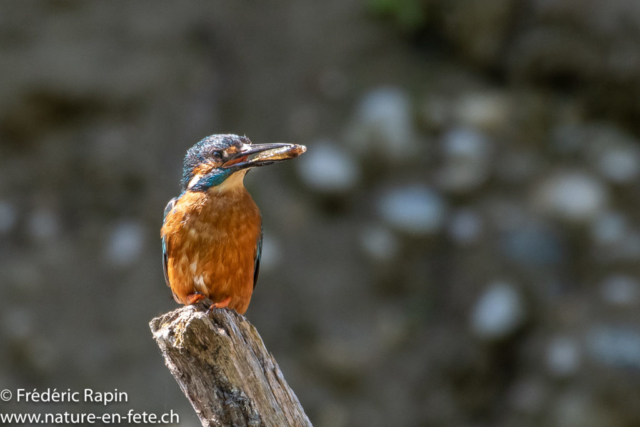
[(224, 369)]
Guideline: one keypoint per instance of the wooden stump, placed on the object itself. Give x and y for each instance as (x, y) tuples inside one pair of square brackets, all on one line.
[(224, 369)]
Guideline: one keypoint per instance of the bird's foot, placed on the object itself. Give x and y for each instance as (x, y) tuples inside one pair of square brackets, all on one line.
[(195, 297), (222, 304)]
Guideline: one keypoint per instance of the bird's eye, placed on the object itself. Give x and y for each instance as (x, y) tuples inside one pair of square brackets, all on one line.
[(217, 155)]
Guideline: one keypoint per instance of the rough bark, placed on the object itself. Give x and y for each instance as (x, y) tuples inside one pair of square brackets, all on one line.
[(224, 369)]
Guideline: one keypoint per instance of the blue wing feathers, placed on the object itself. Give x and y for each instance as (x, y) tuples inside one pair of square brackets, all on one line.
[(256, 267), (168, 209)]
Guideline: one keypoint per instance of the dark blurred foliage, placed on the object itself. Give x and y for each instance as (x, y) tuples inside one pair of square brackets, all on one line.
[(458, 247)]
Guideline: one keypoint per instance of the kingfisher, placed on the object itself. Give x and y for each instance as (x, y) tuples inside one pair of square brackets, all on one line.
[(212, 233)]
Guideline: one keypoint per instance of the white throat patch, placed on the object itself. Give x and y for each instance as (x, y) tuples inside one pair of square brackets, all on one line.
[(193, 181), (234, 182)]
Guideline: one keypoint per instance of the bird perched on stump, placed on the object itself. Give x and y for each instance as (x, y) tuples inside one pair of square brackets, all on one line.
[(212, 232)]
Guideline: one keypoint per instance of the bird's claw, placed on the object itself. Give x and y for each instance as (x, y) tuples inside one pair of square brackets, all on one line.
[(222, 304)]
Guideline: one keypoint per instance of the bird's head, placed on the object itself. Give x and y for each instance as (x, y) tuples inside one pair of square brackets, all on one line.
[(225, 159)]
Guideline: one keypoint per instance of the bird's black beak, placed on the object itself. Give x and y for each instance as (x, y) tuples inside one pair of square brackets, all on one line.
[(255, 155)]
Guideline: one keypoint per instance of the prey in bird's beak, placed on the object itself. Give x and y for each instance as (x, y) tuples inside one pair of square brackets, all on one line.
[(255, 155)]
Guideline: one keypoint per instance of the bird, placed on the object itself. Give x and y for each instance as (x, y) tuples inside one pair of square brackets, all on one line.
[(212, 232)]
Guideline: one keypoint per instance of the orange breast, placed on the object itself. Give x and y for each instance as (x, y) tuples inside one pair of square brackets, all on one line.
[(211, 243)]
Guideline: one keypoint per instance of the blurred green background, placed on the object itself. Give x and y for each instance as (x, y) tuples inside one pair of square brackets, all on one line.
[(458, 247)]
